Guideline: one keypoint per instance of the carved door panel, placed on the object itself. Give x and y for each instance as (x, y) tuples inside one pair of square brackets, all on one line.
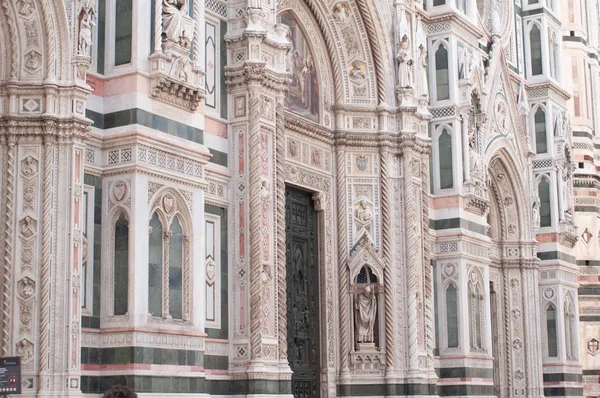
[(302, 293)]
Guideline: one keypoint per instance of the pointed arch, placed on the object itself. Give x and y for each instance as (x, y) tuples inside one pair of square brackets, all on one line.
[(543, 191), (535, 49), (442, 72), (452, 327), (169, 266)]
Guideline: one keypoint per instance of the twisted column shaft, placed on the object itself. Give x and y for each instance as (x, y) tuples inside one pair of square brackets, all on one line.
[(386, 233)]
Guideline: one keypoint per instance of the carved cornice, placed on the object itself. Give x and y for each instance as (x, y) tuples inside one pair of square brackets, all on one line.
[(308, 128), (257, 73), (395, 142), (550, 86), (457, 19), (45, 125)]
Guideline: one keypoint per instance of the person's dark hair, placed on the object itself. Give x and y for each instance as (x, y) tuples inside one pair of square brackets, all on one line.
[(119, 391)]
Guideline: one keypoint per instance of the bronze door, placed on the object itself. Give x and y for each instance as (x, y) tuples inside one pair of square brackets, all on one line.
[(302, 293)]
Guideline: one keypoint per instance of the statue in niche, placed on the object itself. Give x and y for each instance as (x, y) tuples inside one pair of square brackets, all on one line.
[(86, 24), (177, 25), (535, 210), (422, 70), (405, 62), (474, 157), (558, 132), (366, 310)]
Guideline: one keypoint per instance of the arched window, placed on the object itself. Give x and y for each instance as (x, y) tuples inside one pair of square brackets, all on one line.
[(545, 209), (541, 144), (176, 270), (551, 331), (445, 159), (121, 266), (155, 267), (441, 74), (535, 46), (452, 316), (169, 260)]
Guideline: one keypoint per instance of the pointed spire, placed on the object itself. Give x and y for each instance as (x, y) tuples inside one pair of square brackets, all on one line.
[(421, 37), (403, 29), (523, 103)]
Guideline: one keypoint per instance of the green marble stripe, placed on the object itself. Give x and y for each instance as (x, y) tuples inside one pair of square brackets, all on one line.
[(587, 209), (140, 355), (447, 373), (584, 134), (563, 392), (555, 377), (450, 223), (185, 385), (589, 318), (556, 255), (585, 263), (128, 117), (367, 390)]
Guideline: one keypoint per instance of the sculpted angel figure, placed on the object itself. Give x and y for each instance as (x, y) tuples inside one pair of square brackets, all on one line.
[(366, 309), (405, 62)]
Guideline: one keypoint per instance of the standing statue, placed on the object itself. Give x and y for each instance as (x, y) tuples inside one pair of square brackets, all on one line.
[(422, 70), (175, 21), (366, 309), (85, 33), (405, 79), (535, 209)]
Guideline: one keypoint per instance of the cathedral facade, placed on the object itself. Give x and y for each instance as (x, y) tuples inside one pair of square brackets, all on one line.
[(304, 198)]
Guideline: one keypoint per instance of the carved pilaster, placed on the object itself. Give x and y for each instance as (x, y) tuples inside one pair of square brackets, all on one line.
[(257, 89), (413, 253), (386, 231), (7, 270), (343, 259)]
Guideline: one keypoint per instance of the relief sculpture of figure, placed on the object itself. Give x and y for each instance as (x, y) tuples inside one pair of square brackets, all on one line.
[(405, 79), (175, 20), (363, 212), (366, 309)]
